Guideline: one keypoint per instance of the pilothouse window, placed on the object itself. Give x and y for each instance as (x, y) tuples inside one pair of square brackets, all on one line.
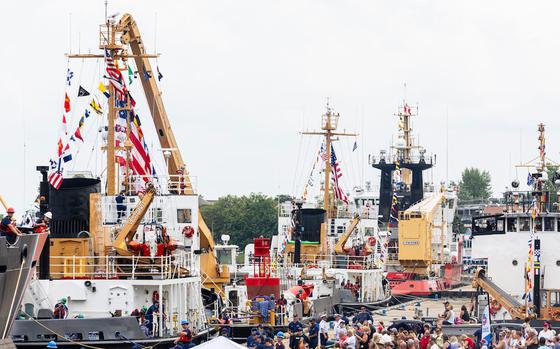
[(184, 215), (549, 224), (524, 224), (511, 224)]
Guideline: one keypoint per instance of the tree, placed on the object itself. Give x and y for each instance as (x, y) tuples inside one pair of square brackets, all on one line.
[(475, 184), (242, 217)]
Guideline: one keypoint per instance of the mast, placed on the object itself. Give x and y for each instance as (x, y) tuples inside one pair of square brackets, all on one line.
[(329, 124), (109, 34)]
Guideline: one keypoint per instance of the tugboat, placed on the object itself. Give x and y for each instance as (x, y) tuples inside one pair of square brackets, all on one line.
[(128, 251), (423, 258)]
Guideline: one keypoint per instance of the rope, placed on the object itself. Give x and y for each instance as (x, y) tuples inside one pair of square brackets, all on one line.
[(59, 335), (14, 298)]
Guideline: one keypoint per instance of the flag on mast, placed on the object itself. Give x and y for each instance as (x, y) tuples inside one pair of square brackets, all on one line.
[(336, 173)]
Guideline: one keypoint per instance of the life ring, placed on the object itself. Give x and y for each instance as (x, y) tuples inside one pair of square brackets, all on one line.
[(188, 231), (372, 241), (495, 305)]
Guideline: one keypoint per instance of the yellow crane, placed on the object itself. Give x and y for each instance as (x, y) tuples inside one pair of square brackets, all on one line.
[(339, 247), (416, 225), (214, 275), (120, 244)]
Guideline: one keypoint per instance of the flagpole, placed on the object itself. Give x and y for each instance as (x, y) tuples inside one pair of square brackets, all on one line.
[(328, 126)]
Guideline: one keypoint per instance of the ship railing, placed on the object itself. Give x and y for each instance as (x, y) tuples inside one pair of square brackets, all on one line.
[(113, 213), (310, 261), (173, 266), (165, 184)]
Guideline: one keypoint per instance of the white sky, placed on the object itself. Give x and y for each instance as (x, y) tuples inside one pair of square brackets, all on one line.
[(242, 78)]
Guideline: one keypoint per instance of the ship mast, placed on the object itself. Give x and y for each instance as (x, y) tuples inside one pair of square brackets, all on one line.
[(109, 35), (329, 124)]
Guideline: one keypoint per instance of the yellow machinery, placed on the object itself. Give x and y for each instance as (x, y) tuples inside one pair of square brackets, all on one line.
[(415, 234), (339, 247), (214, 276), (120, 244), (550, 309)]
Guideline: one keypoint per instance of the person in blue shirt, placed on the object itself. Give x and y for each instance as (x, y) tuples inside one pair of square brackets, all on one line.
[(294, 327), (313, 334), (8, 228), (153, 309), (121, 206), (362, 316), (251, 338)]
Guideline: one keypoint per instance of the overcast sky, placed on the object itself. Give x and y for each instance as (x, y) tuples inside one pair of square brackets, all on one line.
[(242, 78)]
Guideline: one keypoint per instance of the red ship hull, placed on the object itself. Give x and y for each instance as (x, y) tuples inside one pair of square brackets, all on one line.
[(407, 284)]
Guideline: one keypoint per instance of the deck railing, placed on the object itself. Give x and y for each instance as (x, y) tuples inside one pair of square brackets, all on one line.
[(122, 267)]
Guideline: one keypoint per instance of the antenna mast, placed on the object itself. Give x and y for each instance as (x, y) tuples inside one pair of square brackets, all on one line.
[(329, 125)]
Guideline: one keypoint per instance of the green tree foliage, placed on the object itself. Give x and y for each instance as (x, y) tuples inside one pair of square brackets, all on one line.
[(242, 217), (475, 184)]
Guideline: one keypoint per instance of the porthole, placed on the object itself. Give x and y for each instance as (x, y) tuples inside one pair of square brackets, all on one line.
[(514, 262)]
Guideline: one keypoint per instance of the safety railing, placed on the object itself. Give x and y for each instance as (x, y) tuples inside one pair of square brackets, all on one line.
[(165, 184), (113, 213), (330, 262), (122, 267)]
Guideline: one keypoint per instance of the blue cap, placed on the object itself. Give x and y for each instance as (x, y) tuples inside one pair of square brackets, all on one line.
[(52, 344), (184, 322), (280, 334)]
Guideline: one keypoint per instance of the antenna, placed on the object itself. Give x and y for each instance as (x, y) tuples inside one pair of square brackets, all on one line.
[(106, 4), (447, 146)]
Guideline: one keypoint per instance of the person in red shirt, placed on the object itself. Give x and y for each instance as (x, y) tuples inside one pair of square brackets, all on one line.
[(425, 340), (468, 342)]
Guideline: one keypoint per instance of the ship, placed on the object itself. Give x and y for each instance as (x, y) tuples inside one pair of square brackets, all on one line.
[(327, 256), (518, 247), (124, 237), (424, 254), (17, 265)]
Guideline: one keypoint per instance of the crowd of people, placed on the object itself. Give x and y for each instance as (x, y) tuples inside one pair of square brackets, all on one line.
[(361, 331)]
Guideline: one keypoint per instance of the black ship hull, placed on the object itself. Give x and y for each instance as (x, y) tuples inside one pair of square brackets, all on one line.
[(17, 263)]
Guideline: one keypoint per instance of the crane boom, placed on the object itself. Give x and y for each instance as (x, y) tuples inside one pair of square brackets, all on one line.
[(415, 234), (512, 305), (120, 244), (130, 35), (339, 247)]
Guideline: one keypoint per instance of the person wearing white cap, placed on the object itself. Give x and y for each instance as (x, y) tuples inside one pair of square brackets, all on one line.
[(323, 331), (43, 224)]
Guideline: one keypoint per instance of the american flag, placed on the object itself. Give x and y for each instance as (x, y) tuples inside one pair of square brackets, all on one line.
[(115, 76), (55, 177), (323, 152), (336, 173)]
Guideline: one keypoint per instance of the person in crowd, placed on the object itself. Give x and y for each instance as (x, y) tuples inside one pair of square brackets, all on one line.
[(453, 343), (363, 315), (61, 309), (313, 334), (363, 337), (500, 343), (467, 342), (385, 337), (547, 333), (184, 341), (438, 337), (279, 341), (542, 343), (350, 342), (339, 326), (252, 338), (323, 331), (464, 315), (531, 339), (425, 340), (294, 327), (432, 344), (268, 344)]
